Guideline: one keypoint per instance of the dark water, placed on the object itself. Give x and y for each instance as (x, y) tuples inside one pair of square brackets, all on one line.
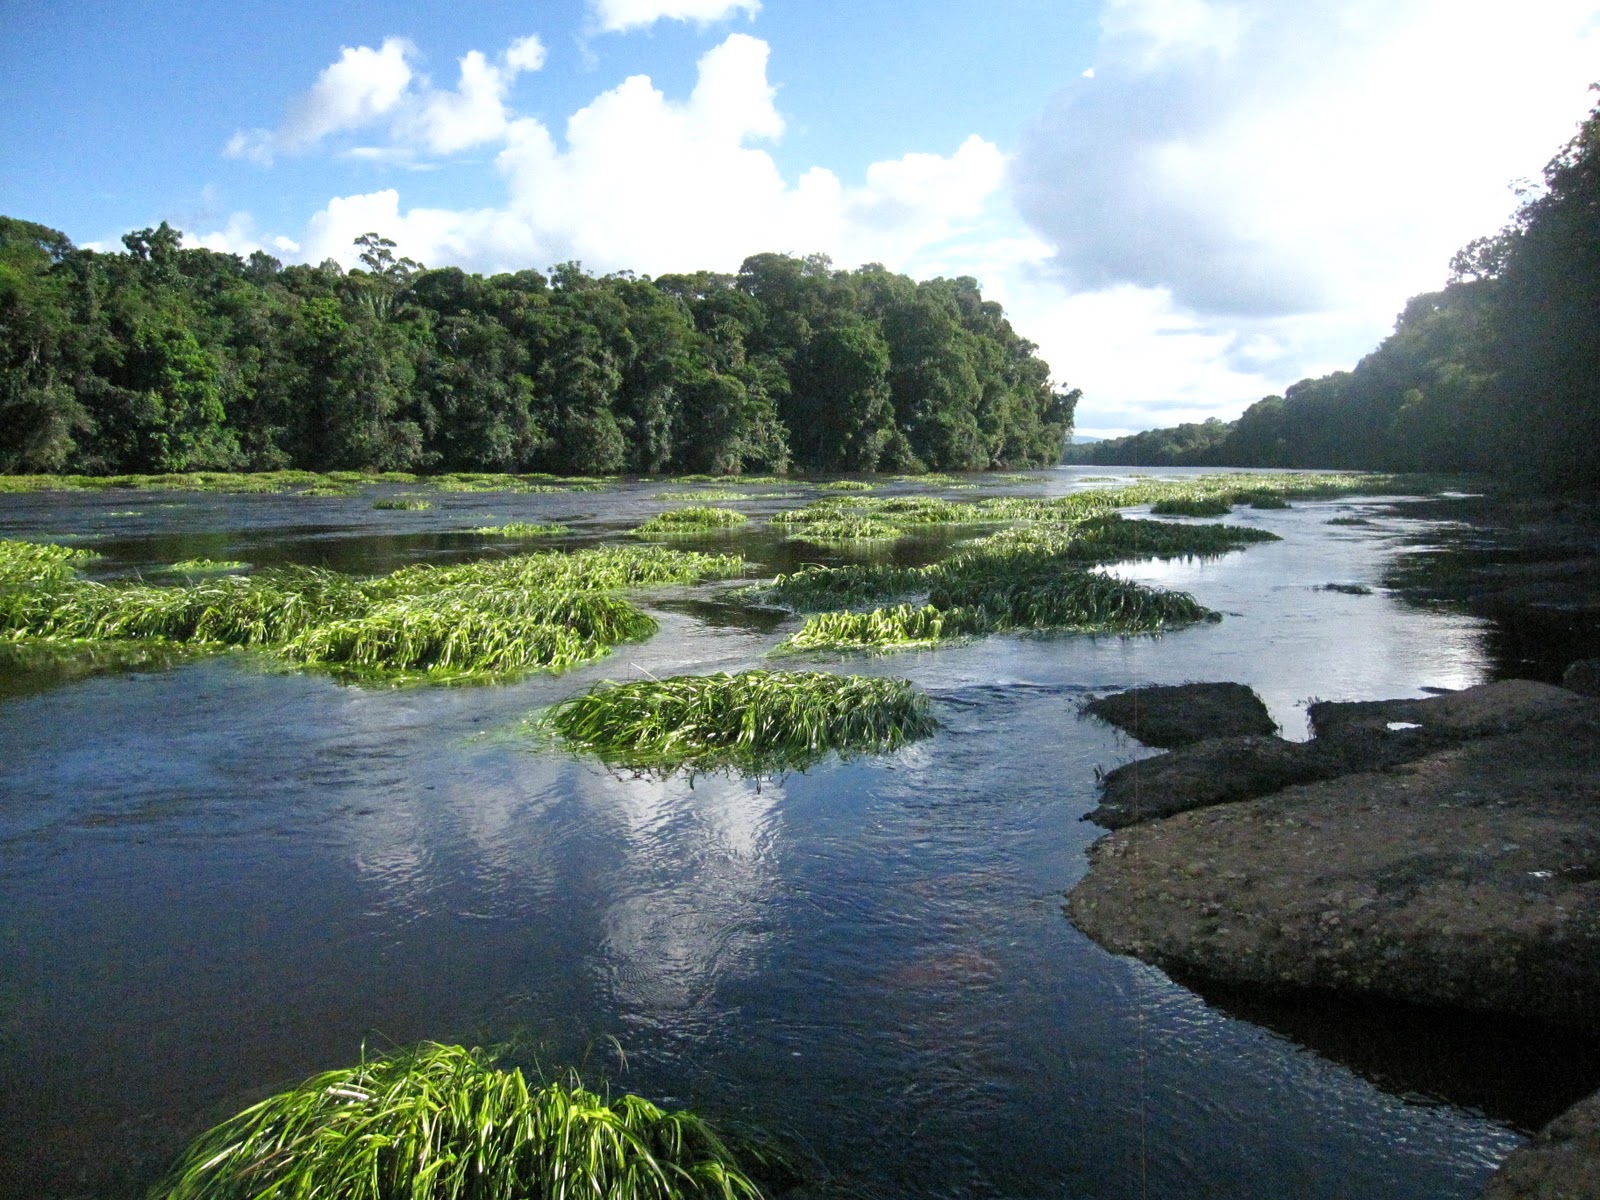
[(217, 877)]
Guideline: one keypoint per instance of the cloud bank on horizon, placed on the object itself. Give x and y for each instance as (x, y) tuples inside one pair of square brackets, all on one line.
[(1231, 196)]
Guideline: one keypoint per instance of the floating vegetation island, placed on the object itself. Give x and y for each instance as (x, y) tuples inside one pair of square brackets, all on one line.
[(756, 722), (438, 1122), (480, 619)]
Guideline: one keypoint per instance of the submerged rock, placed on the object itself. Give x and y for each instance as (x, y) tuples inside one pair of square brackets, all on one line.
[(1183, 714), (1469, 877), (1562, 1163)]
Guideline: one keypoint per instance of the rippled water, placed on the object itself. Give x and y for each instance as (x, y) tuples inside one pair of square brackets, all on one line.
[(217, 877)]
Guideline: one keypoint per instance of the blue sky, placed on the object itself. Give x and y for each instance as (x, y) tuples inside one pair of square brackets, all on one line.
[(1187, 203)]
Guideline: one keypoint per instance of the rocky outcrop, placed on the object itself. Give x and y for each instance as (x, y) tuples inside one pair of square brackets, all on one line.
[(1562, 1163), (1351, 737), (1183, 714), (1468, 877)]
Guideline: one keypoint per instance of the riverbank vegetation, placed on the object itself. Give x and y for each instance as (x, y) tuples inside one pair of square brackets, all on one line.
[(170, 360), (1498, 373), (755, 722), (485, 619), (438, 1122)]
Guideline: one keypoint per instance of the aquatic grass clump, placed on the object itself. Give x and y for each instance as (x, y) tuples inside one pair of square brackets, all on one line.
[(475, 630), (402, 505), (845, 485), (813, 588), (468, 620), (1040, 595), (1115, 538), (522, 529), (203, 566), (39, 564), (703, 494), (754, 722), (695, 519), (901, 627), (439, 1122), (1193, 506), (846, 528)]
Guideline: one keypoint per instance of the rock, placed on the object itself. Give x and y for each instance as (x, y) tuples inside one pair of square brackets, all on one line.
[(1351, 737), (1469, 877), (1214, 772), (1562, 1163), (1583, 677), (1186, 713), (1451, 717)]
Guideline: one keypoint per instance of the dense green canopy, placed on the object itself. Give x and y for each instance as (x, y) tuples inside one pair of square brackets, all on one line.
[(1499, 372), (168, 359)]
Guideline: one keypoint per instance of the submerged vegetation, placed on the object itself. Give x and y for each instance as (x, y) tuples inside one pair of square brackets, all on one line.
[(437, 1122), (755, 722), (522, 529), (695, 519), (480, 619)]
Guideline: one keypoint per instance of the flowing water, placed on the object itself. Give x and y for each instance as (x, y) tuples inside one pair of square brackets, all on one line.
[(218, 876)]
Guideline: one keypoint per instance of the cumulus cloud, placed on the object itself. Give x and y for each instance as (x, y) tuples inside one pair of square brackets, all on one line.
[(368, 87), (618, 16), (645, 182), (362, 86), (1261, 159)]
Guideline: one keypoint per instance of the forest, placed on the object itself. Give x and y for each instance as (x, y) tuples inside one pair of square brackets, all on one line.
[(165, 359), (1497, 373)]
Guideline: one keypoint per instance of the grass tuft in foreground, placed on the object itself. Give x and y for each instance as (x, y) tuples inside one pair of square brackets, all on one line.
[(438, 1122), (755, 722)]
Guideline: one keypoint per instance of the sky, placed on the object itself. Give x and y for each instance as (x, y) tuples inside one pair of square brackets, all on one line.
[(1187, 204)]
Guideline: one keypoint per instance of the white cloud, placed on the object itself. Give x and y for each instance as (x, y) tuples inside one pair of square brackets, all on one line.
[(362, 86), (1265, 158), (618, 16), (1245, 194), (656, 185), (238, 236), (367, 87)]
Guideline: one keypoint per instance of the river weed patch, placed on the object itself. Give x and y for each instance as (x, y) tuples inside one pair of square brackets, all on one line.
[(755, 722), (439, 1122), (481, 619), (691, 520), (1193, 506), (521, 529)]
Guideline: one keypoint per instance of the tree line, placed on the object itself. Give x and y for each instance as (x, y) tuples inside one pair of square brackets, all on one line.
[(162, 359), (1497, 373)]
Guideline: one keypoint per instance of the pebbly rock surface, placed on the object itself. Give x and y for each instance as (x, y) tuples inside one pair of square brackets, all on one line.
[(1467, 877), (1182, 714), (1562, 1163)]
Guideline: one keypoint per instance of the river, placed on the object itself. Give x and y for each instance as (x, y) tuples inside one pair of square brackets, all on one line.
[(218, 876)]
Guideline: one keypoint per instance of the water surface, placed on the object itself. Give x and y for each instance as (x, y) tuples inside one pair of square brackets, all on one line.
[(218, 876)]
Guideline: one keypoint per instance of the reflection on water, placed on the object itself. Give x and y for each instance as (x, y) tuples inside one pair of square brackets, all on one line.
[(217, 879)]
